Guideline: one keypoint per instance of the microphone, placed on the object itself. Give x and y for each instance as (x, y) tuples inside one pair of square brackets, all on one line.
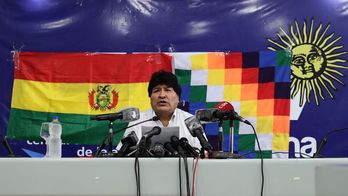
[(324, 141), (158, 150), (145, 140), (188, 147), (102, 145), (156, 130), (196, 130), (127, 142), (168, 146), (177, 145), (222, 111), (126, 115)]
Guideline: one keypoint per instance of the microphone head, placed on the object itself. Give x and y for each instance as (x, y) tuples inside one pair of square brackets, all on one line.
[(224, 106), (156, 130), (130, 114), (206, 115), (184, 141), (131, 138), (158, 150), (193, 124), (225, 111), (155, 118), (168, 146)]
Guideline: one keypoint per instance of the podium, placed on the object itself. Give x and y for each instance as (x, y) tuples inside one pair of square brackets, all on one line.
[(160, 176)]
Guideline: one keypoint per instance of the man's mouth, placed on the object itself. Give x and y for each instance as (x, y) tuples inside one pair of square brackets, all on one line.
[(162, 102)]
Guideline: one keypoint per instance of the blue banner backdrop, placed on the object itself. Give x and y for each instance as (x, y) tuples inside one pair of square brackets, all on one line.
[(313, 30)]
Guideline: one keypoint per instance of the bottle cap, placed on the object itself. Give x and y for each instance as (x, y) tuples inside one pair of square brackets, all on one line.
[(55, 118)]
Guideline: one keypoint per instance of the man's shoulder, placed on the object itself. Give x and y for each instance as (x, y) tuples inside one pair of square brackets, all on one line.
[(183, 113)]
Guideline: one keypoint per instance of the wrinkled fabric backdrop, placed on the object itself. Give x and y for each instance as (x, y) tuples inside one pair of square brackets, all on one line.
[(314, 31)]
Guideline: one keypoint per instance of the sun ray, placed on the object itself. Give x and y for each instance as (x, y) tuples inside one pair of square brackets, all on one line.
[(284, 42), (331, 43), (336, 61), (296, 89), (322, 35), (329, 81), (308, 90), (333, 77), (271, 48), (337, 66), (277, 44), (311, 31), (317, 33), (302, 93), (326, 88), (319, 89), (299, 32), (304, 32), (294, 35), (333, 49), (325, 40), (314, 91), (287, 36), (293, 82), (334, 55), (334, 71)]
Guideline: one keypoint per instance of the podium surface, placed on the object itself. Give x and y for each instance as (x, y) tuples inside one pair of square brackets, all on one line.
[(160, 176)]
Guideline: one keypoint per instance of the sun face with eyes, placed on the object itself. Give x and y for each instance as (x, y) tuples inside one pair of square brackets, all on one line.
[(308, 62), (316, 61)]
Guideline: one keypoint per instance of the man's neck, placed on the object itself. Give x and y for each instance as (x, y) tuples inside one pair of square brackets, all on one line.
[(165, 118)]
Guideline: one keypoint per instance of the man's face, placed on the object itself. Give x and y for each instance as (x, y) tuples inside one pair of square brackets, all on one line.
[(164, 100)]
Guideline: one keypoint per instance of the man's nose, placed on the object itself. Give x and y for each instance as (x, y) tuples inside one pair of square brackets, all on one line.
[(162, 93)]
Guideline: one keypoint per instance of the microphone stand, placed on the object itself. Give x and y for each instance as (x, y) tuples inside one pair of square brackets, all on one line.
[(110, 138), (231, 136), (229, 154), (220, 140), (142, 149)]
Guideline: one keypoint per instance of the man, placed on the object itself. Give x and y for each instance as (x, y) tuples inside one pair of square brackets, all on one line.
[(164, 92)]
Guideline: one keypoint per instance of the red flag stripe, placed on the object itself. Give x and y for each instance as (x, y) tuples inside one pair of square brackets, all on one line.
[(89, 67)]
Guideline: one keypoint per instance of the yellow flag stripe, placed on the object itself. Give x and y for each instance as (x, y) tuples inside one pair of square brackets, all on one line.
[(73, 98)]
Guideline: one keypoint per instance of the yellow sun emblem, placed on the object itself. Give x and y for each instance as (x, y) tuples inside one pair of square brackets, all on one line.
[(315, 60)]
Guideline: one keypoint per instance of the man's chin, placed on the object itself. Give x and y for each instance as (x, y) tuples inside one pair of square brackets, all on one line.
[(163, 110)]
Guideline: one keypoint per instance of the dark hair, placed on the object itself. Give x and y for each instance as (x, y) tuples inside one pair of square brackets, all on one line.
[(166, 78)]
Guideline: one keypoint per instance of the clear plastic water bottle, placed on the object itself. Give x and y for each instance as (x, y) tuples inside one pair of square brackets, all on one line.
[(55, 141)]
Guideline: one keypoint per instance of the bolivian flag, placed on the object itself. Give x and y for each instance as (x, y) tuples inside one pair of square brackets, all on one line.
[(75, 86)]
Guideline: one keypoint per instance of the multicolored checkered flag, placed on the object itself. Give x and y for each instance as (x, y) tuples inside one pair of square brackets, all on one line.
[(257, 84)]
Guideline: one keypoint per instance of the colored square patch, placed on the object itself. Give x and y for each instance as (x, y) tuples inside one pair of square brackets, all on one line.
[(233, 76), (281, 124), (216, 60), (265, 91), (184, 76), (233, 60), (199, 61), (268, 58), (232, 92), (198, 93), (266, 74), (265, 107), (282, 107), (216, 77), (250, 75), (249, 92), (250, 59)]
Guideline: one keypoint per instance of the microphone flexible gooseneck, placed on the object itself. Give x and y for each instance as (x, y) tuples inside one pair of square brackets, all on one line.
[(324, 141)]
